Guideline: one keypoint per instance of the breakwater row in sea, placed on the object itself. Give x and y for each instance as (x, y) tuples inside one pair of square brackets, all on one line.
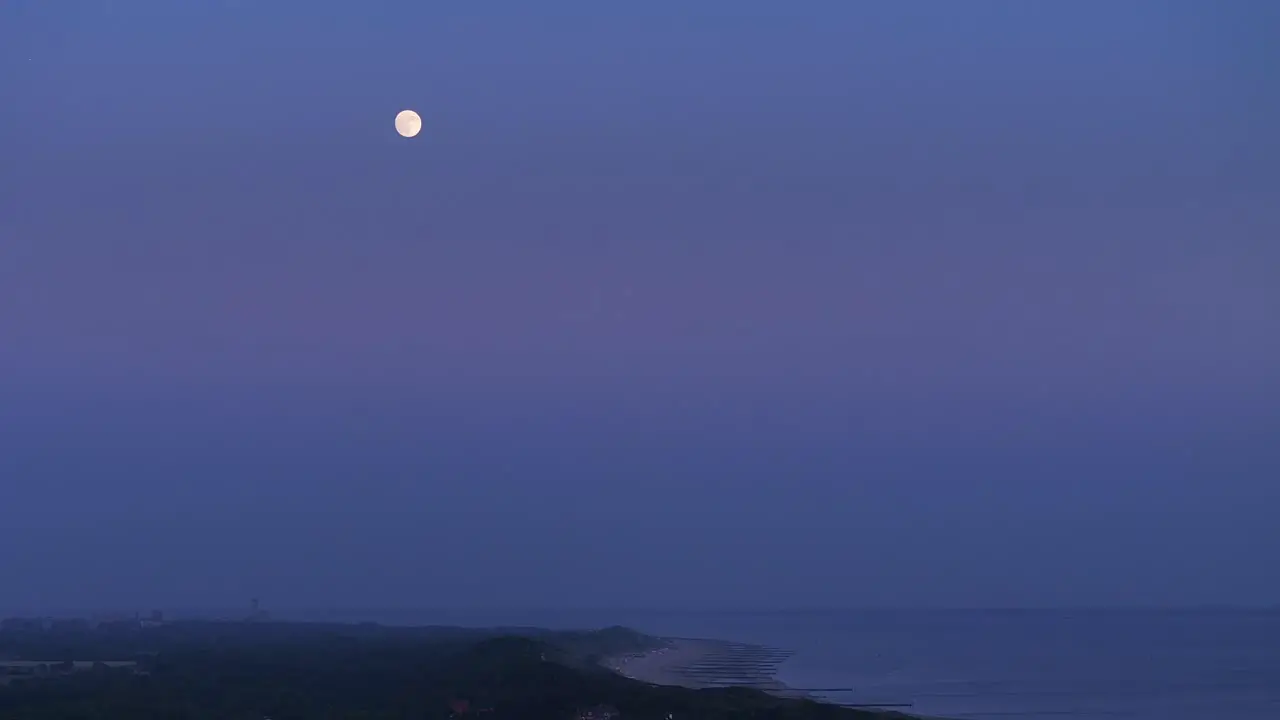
[(732, 664)]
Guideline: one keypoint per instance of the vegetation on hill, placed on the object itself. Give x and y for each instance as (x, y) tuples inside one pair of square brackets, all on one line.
[(242, 671)]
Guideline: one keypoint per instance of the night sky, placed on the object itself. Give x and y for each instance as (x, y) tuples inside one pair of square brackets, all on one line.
[(671, 304)]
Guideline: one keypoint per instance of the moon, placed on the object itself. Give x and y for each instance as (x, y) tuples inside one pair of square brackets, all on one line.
[(408, 123)]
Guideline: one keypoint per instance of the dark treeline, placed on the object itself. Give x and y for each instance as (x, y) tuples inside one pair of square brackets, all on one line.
[(251, 671)]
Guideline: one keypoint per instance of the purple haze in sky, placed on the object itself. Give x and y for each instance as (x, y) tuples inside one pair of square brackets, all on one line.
[(742, 304)]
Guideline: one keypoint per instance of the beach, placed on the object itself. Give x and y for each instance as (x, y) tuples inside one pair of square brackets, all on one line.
[(701, 663)]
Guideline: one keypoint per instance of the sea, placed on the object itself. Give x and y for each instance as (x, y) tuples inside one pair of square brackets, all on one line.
[(985, 664), (1097, 664)]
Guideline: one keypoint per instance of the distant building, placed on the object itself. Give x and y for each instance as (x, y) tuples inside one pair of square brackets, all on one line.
[(45, 668), (256, 613), (114, 622)]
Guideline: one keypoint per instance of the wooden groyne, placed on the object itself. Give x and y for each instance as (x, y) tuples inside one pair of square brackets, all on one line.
[(733, 664)]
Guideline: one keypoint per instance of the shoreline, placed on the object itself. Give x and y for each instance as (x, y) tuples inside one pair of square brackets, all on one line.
[(704, 663)]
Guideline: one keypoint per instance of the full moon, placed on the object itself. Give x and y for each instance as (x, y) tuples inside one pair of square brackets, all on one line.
[(408, 123)]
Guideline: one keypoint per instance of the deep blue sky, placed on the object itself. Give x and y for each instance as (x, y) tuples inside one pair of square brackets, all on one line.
[(671, 304)]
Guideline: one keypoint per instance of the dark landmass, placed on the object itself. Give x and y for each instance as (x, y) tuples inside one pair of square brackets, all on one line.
[(303, 671)]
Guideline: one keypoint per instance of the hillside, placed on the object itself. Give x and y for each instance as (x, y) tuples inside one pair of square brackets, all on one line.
[(248, 671)]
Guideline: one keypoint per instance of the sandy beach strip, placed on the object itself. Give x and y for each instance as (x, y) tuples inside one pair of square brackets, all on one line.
[(698, 663), (694, 663)]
